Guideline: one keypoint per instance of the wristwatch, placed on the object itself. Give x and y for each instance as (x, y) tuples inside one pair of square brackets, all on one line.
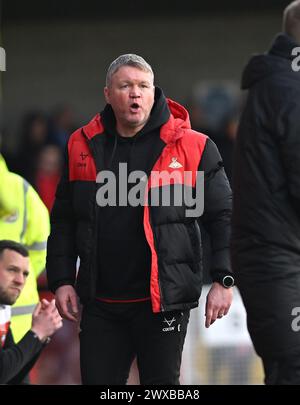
[(227, 280)]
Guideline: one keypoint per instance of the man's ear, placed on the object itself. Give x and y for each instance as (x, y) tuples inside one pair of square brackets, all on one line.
[(106, 94)]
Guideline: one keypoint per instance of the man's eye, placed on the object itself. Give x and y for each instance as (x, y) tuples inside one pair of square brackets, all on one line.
[(12, 270)]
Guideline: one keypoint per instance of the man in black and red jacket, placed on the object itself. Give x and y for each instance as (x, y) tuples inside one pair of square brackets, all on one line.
[(140, 263)]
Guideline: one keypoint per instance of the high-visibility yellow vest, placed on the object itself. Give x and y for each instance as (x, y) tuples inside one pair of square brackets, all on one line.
[(25, 219)]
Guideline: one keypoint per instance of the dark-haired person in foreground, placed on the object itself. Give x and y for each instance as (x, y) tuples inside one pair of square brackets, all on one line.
[(16, 360)]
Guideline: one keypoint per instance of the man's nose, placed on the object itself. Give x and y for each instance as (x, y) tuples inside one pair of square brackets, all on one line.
[(19, 279), (135, 92)]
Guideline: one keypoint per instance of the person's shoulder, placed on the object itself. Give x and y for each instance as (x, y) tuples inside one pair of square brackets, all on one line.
[(76, 135), (281, 83), (193, 140), (196, 135), (277, 90), (15, 179)]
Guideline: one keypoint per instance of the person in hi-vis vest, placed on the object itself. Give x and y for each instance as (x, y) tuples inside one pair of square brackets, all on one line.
[(23, 218)]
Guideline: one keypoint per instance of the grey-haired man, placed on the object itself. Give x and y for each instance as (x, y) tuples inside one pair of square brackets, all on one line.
[(140, 263)]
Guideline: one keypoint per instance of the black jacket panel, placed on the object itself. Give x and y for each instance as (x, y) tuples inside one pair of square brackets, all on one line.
[(216, 218), (63, 228), (267, 168), (266, 217)]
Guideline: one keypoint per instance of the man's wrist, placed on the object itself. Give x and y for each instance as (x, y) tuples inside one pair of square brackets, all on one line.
[(42, 339), (60, 283), (225, 279)]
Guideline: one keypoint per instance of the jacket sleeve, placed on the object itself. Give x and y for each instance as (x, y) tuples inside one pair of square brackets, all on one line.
[(16, 360), (37, 230), (216, 217), (61, 248)]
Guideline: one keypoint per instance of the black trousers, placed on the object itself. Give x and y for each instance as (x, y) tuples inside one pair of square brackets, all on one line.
[(282, 371), (112, 335)]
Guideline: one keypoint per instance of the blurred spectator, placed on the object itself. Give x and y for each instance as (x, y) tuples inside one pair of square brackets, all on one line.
[(214, 111), (62, 125), (48, 173), (34, 137), (225, 141), (216, 102)]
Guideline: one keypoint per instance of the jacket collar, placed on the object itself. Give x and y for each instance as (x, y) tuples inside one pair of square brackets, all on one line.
[(170, 132)]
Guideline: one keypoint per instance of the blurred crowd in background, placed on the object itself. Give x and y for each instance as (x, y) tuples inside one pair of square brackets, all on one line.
[(38, 156)]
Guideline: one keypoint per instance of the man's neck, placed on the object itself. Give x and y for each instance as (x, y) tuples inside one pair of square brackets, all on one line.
[(128, 132), (295, 36)]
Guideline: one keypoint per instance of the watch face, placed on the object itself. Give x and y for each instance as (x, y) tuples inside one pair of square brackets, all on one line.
[(228, 281)]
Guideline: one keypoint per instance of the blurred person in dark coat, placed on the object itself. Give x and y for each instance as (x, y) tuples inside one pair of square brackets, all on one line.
[(266, 219), (62, 125), (48, 173), (34, 137)]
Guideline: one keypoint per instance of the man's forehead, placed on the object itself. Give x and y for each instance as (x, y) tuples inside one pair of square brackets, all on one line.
[(11, 257), (132, 72)]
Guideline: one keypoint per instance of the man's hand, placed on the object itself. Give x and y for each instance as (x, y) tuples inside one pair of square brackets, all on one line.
[(218, 302), (66, 302), (45, 320)]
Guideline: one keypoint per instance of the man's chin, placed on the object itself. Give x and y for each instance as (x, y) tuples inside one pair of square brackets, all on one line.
[(136, 123), (8, 300)]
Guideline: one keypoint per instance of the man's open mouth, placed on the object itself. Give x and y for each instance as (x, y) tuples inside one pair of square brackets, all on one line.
[(134, 106)]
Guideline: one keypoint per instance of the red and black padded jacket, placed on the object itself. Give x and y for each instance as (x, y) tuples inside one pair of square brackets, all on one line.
[(174, 239)]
